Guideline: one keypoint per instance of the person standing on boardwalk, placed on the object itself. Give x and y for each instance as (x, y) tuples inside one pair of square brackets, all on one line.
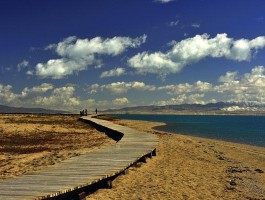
[(96, 111)]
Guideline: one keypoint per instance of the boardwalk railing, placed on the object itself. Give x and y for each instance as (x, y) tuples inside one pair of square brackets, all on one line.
[(76, 177)]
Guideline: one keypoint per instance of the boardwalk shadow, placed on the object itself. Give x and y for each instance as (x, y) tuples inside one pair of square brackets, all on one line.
[(115, 135)]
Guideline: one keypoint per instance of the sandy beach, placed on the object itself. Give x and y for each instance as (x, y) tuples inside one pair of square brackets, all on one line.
[(184, 168), (191, 168), (31, 142)]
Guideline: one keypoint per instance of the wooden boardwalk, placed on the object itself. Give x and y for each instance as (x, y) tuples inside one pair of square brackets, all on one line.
[(70, 178)]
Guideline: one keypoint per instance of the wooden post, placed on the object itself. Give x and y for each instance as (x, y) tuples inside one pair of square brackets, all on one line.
[(82, 196), (109, 184), (149, 155), (143, 159), (154, 152)]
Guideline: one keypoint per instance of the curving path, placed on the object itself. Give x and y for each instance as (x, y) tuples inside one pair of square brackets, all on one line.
[(77, 176)]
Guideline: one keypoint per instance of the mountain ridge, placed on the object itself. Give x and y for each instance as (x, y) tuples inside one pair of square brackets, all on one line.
[(10, 109), (219, 107)]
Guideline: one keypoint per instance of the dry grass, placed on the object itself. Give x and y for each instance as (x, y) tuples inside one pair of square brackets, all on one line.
[(30, 142)]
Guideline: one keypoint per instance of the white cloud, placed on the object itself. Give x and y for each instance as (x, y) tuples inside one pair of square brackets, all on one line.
[(247, 88), (44, 95), (6, 94), (183, 88), (117, 88), (121, 87), (73, 47), (62, 97), (155, 63), (228, 77), (163, 1), (233, 108), (202, 86), (23, 64), (92, 104), (113, 72), (232, 87), (44, 87), (30, 73), (120, 101), (183, 99), (59, 68), (194, 49), (173, 23), (250, 88), (93, 88), (77, 54), (196, 25)]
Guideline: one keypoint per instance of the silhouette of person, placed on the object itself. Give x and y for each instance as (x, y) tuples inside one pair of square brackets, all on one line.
[(96, 111)]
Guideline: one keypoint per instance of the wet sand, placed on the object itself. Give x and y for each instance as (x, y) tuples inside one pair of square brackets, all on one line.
[(191, 168), (31, 142)]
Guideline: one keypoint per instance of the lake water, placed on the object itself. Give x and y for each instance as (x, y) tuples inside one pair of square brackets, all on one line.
[(240, 129)]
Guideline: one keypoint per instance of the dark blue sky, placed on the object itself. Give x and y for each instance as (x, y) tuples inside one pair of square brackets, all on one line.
[(28, 27)]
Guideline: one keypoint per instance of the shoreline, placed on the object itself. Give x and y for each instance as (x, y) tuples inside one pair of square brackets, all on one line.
[(188, 167), (229, 143), (198, 137), (185, 167), (190, 113), (217, 127)]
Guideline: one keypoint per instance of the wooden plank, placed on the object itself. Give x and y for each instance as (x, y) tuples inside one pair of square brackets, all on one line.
[(82, 170)]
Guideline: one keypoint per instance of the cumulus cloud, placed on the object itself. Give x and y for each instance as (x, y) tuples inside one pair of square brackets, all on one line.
[(113, 72), (6, 94), (44, 87), (59, 68), (44, 95), (93, 88), (228, 77), (77, 54), (92, 104), (120, 101), (247, 88), (183, 99), (155, 63), (30, 73), (121, 87), (23, 64), (62, 97), (194, 49), (182, 88), (233, 87)]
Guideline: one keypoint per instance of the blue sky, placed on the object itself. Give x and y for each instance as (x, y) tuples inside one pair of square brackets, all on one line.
[(109, 54)]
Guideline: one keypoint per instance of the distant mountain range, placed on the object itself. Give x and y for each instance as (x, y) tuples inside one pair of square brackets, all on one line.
[(8, 109), (220, 107)]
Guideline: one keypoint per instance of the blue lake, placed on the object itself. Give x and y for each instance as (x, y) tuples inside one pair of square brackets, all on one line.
[(240, 129)]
